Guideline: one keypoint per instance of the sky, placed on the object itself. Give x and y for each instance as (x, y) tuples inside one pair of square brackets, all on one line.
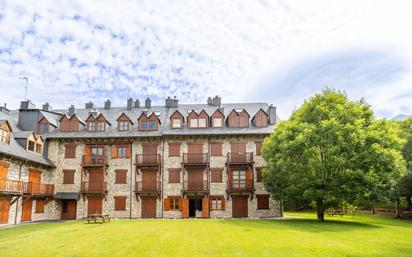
[(279, 52)]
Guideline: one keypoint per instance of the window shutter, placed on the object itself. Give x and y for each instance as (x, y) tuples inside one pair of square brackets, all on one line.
[(262, 202), (87, 150), (258, 175), (174, 175), (216, 149), (166, 204), (121, 176), (128, 151), (174, 149), (180, 203), (216, 175), (258, 148), (114, 151), (120, 203), (223, 203), (68, 176), (40, 205), (70, 151)]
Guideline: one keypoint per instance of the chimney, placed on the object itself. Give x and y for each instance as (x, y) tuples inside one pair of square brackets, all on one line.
[(175, 102), (27, 105), (168, 102), (89, 105), (4, 108), (47, 107), (137, 103), (72, 110), (272, 114), (209, 101), (129, 103), (148, 103), (107, 104), (216, 101)]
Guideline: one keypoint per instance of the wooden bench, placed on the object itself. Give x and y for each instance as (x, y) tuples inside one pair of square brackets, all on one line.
[(333, 212), (96, 217)]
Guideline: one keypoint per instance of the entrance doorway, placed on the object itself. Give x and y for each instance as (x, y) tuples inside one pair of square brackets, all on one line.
[(68, 210), (195, 205), (239, 206)]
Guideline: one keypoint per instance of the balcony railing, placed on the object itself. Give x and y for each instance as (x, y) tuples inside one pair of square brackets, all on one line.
[(11, 186), (195, 186), (38, 189), (196, 158), (147, 159), (239, 186), (93, 187), (151, 187), (239, 158), (94, 160)]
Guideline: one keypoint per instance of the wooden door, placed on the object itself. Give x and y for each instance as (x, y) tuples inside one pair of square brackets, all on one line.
[(239, 206), (149, 153), (205, 207), (96, 178), (148, 207), (94, 205), (35, 179), (195, 152), (195, 179), (3, 171), (185, 208), (26, 209), (4, 209), (238, 151), (69, 209), (149, 180)]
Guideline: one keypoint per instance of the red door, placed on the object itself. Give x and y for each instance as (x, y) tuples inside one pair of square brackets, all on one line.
[(148, 207), (238, 151), (239, 206), (26, 209), (69, 209), (4, 210), (94, 205)]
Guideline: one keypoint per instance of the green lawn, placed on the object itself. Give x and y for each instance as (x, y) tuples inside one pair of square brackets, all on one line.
[(348, 236)]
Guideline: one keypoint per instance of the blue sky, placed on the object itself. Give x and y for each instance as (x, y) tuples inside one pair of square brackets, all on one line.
[(280, 52)]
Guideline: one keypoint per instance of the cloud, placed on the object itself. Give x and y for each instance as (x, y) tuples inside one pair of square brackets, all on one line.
[(76, 51)]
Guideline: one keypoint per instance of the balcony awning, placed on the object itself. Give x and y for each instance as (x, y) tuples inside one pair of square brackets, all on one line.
[(67, 196)]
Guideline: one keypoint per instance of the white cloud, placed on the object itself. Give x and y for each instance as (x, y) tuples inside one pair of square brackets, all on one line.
[(73, 51)]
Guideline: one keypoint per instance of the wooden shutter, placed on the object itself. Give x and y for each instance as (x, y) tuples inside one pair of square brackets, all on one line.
[(238, 147), (121, 176), (223, 203), (216, 175), (166, 204), (69, 151), (174, 149), (230, 177), (249, 177), (68, 176), (3, 170), (216, 148), (149, 148), (120, 203), (258, 174), (128, 151), (185, 208), (262, 202), (40, 205), (195, 147), (258, 148), (114, 151), (174, 175), (180, 202), (87, 150), (205, 207)]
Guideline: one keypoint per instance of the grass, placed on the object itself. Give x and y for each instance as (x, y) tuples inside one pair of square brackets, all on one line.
[(359, 235)]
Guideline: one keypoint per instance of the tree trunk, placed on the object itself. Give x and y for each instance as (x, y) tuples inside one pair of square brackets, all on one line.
[(397, 203), (320, 210), (373, 210), (409, 202), (281, 208)]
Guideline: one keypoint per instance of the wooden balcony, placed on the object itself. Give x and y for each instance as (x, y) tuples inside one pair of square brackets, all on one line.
[(93, 187), (36, 189), (195, 158), (239, 158), (11, 187), (147, 160), (195, 186), (148, 188), (94, 160), (241, 186)]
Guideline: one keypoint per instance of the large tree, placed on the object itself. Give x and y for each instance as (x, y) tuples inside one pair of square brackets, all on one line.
[(332, 151)]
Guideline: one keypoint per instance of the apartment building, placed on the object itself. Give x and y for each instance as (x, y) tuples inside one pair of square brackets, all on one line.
[(137, 161)]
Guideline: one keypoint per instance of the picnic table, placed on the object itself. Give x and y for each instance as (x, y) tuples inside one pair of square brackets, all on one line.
[(333, 212), (95, 217)]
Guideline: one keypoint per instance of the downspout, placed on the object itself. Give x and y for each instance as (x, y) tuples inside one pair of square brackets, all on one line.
[(17, 201), (131, 179), (162, 171), (208, 172)]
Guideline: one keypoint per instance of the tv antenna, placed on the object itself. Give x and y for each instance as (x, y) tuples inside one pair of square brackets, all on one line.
[(26, 85)]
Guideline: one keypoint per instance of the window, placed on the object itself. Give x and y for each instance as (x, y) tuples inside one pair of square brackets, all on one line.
[(262, 202), (174, 203), (39, 148), (92, 126), (216, 175), (193, 123), (43, 128), (176, 123), (100, 126), (121, 151), (202, 123), (69, 151), (239, 179), (121, 176), (152, 124), (217, 203), (258, 175), (174, 149), (120, 203), (31, 145), (144, 124), (4, 136), (174, 175), (68, 176), (123, 125), (217, 122), (216, 148), (258, 148), (40, 205)]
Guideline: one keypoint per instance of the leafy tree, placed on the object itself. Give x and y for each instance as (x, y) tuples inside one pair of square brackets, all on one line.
[(331, 151), (405, 183)]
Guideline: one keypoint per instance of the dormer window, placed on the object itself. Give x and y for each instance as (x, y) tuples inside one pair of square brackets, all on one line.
[(148, 125), (176, 123), (176, 120), (5, 131), (96, 123), (217, 122), (150, 122), (123, 125), (198, 120), (92, 125), (100, 126), (31, 146), (38, 148)]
